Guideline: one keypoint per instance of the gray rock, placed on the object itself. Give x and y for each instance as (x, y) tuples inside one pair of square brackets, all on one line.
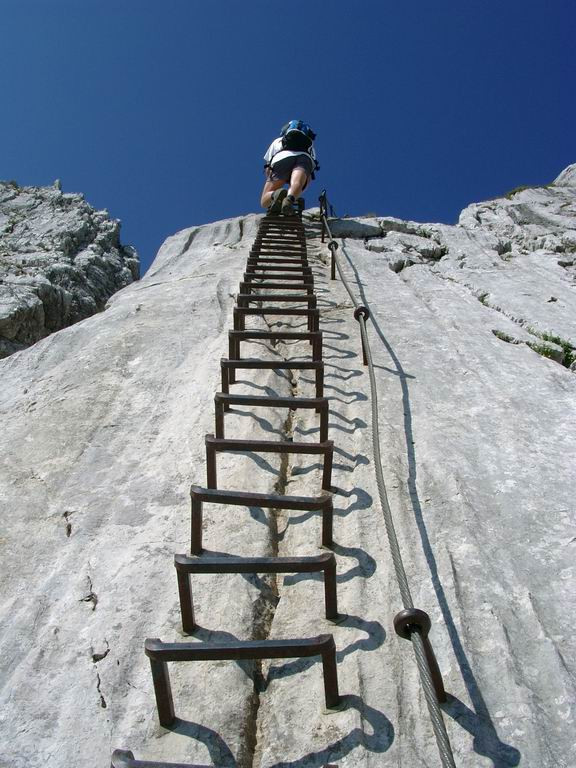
[(60, 261), (102, 434)]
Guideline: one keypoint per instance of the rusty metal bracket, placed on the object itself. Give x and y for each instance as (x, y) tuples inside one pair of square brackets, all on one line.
[(333, 246), (280, 222), (264, 262), (251, 287), (223, 401), (240, 313), (199, 496), (281, 239), (253, 268), (279, 247), (244, 299), (124, 758), (161, 653), (228, 370), (216, 445), (236, 337), (186, 566), (304, 277)]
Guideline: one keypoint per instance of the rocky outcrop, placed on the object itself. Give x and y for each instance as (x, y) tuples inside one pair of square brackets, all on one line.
[(60, 261), (103, 427)]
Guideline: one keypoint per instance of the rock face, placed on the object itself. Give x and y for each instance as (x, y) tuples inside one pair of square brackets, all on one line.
[(103, 425), (60, 261)]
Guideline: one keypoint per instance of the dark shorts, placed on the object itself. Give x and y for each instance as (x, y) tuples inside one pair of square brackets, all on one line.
[(281, 170)]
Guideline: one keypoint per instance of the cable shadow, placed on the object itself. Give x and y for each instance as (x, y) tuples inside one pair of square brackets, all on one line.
[(219, 751), (378, 740), (502, 755), (375, 638), (478, 723)]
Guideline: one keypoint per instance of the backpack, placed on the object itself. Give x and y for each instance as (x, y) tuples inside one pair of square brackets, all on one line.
[(297, 136)]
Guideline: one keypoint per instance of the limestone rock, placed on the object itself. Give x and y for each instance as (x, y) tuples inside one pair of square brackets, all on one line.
[(60, 261), (103, 428)]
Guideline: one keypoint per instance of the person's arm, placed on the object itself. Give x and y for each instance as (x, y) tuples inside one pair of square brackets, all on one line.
[(314, 158)]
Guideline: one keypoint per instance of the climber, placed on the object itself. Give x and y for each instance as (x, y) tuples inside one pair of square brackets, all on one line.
[(291, 160)]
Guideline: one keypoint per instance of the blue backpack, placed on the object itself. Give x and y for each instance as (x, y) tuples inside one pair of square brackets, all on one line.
[(297, 136)]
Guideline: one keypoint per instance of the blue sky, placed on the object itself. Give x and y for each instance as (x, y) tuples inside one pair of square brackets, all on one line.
[(160, 111)]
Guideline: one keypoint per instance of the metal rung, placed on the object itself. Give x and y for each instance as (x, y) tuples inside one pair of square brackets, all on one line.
[(249, 287), (223, 401), (254, 267), (160, 653), (278, 220), (199, 496), (235, 337), (244, 299), (250, 277), (228, 370), (186, 566), (280, 240), (281, 245), (240, 314), (284, 251), (216, 445), (124, 758), (273, 261)]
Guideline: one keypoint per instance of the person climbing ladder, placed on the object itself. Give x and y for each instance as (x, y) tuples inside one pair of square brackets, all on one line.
[(291, 160)]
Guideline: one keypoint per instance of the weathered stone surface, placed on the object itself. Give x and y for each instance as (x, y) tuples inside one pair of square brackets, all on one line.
[(60, 260), (102, 433)]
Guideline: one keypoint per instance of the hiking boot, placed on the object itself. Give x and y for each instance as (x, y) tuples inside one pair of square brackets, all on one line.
[(277, 198), (288, 208)]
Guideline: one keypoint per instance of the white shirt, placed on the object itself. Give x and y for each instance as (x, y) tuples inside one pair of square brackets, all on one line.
[(276, 152)]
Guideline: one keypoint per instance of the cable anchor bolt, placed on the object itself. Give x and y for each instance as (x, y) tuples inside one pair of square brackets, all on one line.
[(414, 620), (364, 312)]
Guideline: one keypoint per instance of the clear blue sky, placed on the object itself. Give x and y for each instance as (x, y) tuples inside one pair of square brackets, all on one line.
[(160, 110)]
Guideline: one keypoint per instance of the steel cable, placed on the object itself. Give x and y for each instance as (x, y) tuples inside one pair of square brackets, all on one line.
[(444, 747)]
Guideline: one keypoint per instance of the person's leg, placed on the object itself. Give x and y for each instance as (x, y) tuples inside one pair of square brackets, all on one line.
[(298, 181), (269, 188)]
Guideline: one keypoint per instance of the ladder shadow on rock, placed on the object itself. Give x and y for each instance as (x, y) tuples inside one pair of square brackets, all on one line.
[(378, 740)]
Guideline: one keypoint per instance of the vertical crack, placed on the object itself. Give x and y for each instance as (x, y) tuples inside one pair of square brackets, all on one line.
[(103, 703), (264, 607), (91, 597)]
